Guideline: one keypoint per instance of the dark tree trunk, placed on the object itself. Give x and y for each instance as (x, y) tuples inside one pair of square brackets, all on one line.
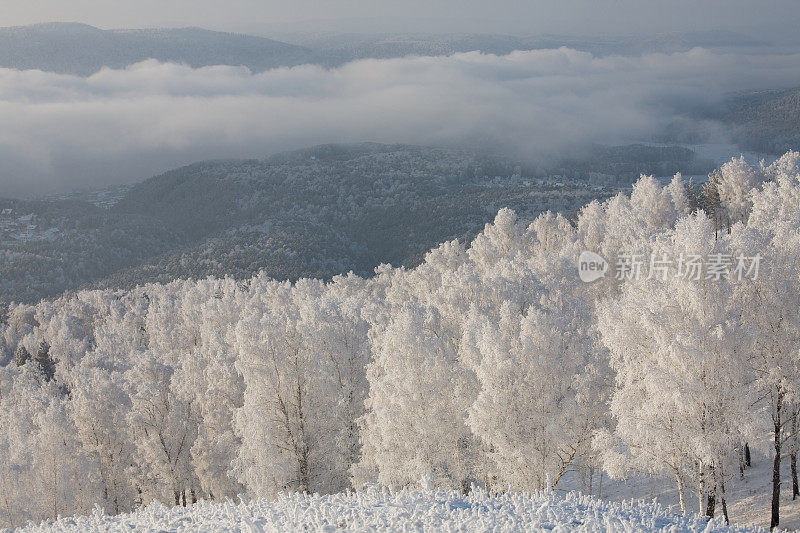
[(722, 496), (793, 456), (711, 503), (302, 451), (747, 461), (725, 510), (701, 488), (741, 463), (177, 498), (776, 467)]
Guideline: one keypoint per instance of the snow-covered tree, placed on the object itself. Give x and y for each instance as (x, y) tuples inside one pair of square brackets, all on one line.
[(301, 351), (98, 406), (419, 394), (334, 329), (164, 428), (735, 181), (44, 472), (682, 398), (209, 379), (539, 401), (769, 304)]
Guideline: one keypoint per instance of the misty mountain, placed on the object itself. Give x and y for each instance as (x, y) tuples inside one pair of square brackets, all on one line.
[(80, 49), (332, 49), (329, 209), (70, 48), (766, 121), (310, 213)]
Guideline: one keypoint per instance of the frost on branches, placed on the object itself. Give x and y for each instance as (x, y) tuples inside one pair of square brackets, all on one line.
[(489, 365)]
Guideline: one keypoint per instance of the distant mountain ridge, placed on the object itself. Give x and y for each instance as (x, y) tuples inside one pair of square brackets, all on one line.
[(80, 49)]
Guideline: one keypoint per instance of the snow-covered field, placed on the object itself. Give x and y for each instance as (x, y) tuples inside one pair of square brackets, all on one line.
[(406, 510)]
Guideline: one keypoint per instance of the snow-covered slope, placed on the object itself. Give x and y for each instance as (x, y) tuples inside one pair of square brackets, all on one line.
[(401, 511), (748, 497)]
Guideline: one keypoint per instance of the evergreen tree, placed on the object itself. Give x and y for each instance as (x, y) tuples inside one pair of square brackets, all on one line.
[(710, 202), (22, 355), (694, 193), (45, 362)]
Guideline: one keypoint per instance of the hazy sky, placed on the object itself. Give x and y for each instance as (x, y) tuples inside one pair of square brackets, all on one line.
[(511, 16), (127, 124)]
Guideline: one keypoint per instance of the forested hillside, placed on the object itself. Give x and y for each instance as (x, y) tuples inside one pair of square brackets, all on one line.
[(314, 213), (766, 121), (74, 243)]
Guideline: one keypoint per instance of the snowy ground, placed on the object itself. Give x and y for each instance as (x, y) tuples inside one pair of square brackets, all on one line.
[(749, 499), (406, 510)]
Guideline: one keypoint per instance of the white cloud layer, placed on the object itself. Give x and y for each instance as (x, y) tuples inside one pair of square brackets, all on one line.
[(63, 132)]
